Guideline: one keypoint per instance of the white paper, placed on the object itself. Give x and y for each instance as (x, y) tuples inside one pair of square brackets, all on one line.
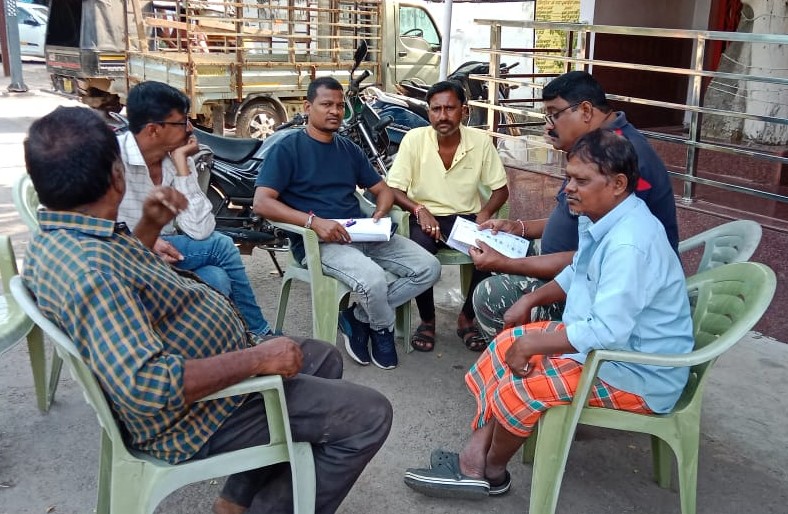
[(464, 234), (365, 230)]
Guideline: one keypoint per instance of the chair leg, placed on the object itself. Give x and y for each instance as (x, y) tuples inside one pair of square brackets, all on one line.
[(466, 275), (104, 488), (529, 446), (304, 485), (325, 310), (45, 393), (687, 458), (284, 296), (402, 328), (552, 449), (662, 458)]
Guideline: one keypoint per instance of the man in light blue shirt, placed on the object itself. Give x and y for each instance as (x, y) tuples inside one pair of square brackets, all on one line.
[(624, 290)]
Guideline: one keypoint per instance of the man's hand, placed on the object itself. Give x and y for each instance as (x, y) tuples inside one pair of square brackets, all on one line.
[(179, 155), (483, 216), (499, 225), (486, 258), (519, 313), (429, 224), (518, 356), (160, 207), (166, 251), (279, 356), (329, 231)]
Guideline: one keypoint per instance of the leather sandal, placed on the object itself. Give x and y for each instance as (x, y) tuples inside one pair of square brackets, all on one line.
[(421, 341), (473, 339)]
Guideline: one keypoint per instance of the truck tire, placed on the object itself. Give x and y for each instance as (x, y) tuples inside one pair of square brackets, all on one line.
[(258, 120)]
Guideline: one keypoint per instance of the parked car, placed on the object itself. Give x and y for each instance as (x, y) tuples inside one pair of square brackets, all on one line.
[(32, 20)]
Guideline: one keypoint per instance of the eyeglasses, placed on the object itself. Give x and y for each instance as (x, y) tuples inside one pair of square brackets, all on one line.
[(181, 123), (550, 118)]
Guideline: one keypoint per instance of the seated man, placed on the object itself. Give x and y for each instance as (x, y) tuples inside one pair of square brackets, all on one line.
[(309, 177), (156, 151), (575, 105), (436, 176), (158, 340), (611, 303)]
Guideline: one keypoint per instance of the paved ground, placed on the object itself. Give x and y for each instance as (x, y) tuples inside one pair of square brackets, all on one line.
[(48, 462)]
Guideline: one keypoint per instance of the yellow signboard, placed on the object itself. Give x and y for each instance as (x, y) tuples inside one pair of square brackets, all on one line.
[(560, 11)]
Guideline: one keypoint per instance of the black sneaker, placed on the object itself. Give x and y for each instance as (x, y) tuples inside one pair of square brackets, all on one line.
[(384, 353), (356, 336)]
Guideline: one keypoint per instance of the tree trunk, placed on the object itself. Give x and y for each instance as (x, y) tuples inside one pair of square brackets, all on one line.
[(766, 60)]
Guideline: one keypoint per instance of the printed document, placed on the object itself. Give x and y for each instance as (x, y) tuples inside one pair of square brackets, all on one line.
[(365, 230), (464, 234)]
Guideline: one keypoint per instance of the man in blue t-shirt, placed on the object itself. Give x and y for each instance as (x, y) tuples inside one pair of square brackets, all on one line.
[(574, 104), (309, 178)]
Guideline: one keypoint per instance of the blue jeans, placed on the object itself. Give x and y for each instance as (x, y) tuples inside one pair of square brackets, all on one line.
[(364, 266), (218, 263)]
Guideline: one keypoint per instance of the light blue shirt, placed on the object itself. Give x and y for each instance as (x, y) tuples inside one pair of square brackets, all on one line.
[(625, 291)]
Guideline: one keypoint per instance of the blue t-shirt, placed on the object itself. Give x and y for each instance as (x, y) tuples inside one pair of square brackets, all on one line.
[(654, 188), (317, 177)]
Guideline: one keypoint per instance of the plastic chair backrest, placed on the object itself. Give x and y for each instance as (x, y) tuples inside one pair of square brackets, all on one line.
[(70, 354), (8, 267), (26, 201), (726, 302), (731, 242)]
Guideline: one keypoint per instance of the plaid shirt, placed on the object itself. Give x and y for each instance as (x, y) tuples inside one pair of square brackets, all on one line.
[(135, 320)]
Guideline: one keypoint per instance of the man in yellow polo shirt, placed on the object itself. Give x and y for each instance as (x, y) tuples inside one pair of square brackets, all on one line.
[(437, 176)]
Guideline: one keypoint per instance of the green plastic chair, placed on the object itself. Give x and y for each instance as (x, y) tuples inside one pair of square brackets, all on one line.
[(726, 301), (26, 201), (328, 294), (15, 325), (132, 482), (731, 242)]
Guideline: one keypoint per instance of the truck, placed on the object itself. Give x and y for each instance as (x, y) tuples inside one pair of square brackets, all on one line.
[(243, 64)]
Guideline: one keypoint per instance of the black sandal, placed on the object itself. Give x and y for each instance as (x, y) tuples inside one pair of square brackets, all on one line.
[(473, 339), (421, 341)]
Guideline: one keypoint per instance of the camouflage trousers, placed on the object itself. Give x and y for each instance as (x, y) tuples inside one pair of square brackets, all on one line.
[(495, 295)]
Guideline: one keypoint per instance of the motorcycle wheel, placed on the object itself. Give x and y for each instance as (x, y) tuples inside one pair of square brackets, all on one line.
[(258, 120)]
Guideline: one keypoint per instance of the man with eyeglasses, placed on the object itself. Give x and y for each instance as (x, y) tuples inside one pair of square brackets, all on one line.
[(574, 105), (157, 150)]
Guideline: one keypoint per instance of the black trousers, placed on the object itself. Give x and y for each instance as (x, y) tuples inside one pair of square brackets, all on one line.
[(426, 300), (346, 424)]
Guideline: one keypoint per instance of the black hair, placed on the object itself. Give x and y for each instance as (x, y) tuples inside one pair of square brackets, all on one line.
[(576, 87), (447, 85), (152, 101), (69, 154), (326, 82), (612, 153)]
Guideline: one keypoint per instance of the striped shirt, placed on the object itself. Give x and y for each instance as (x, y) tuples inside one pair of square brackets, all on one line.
[(135, 320), (196, 221)]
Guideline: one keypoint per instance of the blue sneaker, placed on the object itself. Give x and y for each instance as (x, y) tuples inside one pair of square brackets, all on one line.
[(356, 336), (384, 352)]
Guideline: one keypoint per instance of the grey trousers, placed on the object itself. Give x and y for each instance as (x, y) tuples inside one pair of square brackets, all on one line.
[(346, 424)]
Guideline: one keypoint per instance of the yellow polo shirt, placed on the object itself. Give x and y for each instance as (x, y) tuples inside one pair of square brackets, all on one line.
[(418, 170)]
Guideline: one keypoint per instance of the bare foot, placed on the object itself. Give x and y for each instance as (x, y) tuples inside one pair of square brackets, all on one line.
[(222, 506)]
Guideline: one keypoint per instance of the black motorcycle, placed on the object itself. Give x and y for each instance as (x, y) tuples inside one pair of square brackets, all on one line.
[(474, 89)]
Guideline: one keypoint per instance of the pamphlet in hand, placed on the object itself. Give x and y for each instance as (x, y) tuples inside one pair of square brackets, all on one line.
[(365, 230), (464, 234)]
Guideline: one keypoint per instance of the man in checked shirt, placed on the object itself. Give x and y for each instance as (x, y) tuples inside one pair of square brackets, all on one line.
[(158, 340)]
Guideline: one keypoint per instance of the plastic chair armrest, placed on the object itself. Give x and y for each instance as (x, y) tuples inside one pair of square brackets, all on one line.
[(250, 385)]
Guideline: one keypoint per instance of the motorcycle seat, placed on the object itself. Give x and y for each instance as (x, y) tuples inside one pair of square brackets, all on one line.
[(228, 149)]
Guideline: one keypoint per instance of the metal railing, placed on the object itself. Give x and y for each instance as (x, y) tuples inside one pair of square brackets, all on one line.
[(575, 56)]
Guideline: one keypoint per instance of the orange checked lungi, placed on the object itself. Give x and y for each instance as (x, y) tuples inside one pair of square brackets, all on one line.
[(516, 403)]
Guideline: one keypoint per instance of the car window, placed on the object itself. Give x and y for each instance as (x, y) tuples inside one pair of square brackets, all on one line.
[(416, 22)]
